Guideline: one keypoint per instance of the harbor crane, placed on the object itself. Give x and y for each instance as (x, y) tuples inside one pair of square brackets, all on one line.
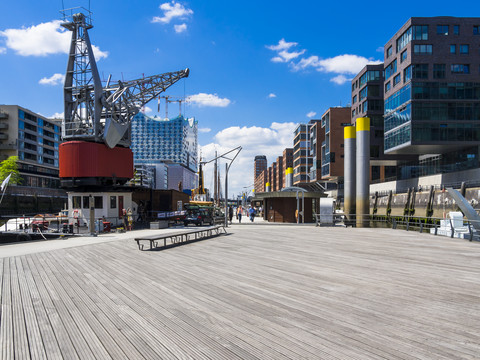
[(97, 118)]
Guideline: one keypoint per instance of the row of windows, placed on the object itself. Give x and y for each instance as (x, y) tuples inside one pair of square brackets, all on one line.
[(417, 32), (397, 137), (40, 159), (35, 181), (426, 132), (370, 75), (446, 111), (442, 91), (397, 118), (398, 98), (40, 122)]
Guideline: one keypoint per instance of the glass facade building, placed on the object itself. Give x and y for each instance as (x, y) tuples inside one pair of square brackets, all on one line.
[(432, 95), (156, 141)]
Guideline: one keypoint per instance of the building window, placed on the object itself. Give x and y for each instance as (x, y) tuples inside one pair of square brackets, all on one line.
[(363, 93), (476, 30), (420, 71), (98, 202), (391, 69), (460, 69), (464, 49), (113, 202), (354, 99), (389, 52), (354, 113), (442, 29), (396, 79), (76, 200), (404, 56), (439, 71), (456, 29), (86, 202), (420, 32), (422, 49), (453, 49), (388, 86)]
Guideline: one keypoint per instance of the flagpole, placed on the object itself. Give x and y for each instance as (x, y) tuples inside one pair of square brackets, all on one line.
[(4, 186)]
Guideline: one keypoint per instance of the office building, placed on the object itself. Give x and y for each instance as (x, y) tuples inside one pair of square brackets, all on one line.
[(432, 95), (35, 140)]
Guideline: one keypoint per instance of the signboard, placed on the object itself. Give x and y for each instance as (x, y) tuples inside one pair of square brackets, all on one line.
[(179, 205)]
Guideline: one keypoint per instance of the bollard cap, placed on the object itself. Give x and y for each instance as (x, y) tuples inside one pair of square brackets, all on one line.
[(349, 132), (363, 124)]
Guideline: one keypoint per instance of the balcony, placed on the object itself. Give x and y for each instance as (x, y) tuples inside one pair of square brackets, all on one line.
[(3, 126), (9, 146), (3, 136), (3, 116)]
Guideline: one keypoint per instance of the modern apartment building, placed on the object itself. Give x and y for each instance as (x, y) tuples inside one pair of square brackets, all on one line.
[(432, 94), (301, 162), (167, 141), (259, 164), (35, 140), (286, 163), (279, 176), (260, 182), (367, 101), (329, 144)]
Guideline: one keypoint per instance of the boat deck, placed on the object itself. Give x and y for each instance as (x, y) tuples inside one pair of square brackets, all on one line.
[(260, 292)]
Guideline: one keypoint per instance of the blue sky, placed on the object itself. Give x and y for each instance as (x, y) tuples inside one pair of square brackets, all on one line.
[(257, 67)]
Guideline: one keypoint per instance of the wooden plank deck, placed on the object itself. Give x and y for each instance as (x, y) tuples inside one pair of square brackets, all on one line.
[(260, 292)]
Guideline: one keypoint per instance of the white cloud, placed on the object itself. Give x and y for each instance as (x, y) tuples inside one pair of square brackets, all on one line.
[(272, 95), (282, 45), (269, 141), (213, 100), (204, 130), (311, 114), (3, 50), (172, 10), (380, 49), (344, 64), (57, 116), (146, 110), (340, 79), (55, 79), (282, 51), (180, 28), (42, 40)]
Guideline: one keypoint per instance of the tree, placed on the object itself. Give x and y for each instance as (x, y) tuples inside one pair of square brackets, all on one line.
[(10, 166)]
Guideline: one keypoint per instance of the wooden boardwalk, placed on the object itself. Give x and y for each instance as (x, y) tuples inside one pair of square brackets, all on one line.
[(261, 292)]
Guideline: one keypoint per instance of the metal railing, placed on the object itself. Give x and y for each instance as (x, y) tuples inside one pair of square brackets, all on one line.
[(461, 228)]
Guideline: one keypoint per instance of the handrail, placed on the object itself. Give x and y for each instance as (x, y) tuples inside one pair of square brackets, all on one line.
[(419, 223)]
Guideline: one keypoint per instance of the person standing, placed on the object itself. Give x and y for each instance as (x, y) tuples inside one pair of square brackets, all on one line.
[(230, 213), (240, 213), (251, 212)]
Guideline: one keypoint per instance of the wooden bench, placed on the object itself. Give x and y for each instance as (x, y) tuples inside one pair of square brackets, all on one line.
[(181, 237)]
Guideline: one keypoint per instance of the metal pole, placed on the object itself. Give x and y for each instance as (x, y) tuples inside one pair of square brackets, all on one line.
[(363, 171), (298, 212), (226, 195), (349, 199)]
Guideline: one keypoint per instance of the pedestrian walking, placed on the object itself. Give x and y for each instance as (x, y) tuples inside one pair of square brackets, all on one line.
[(239, 213), (230, 213), (251, 212)]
